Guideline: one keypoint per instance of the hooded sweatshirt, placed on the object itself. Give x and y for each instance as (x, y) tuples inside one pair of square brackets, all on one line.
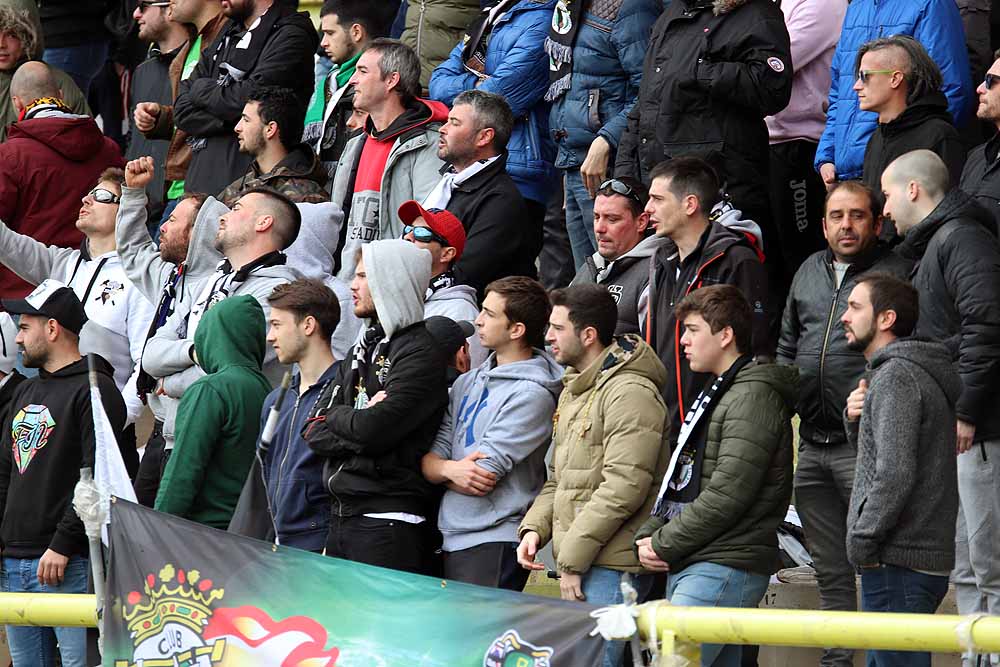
[(905, 498), (118, 315), (379, 170), (218, 417), (48, 435), (458, 303), (504, 412), (373, 453)]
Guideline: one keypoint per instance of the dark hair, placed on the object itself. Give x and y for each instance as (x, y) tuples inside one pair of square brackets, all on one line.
[(308, 297), (199, 199), (690, 176), (922, 74), (394, 56), (589, 305), (887, 292), (721, 306), (491, 111), (527, 302), (113, 174), (375, 17), (857, 188), (636, 204), (287, 218), (280, 106)]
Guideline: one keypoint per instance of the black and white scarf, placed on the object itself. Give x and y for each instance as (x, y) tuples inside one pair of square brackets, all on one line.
[(682, 481), (366, 351), (566, 19), (477, 37)]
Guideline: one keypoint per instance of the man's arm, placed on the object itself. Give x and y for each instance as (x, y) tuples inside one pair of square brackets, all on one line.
[(522, 425), (788, 342), (523, 76), (140, 315), (826, 150), (634, 420), (167, 352), (538, 519), (32, 260), (451, 78), (750, 277), (631, 55), (139, 255), (941, 32)]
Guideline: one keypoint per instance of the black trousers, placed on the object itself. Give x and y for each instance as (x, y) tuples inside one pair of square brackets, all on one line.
[(493, 564), (383, 542), (798, 199), (151, 467)]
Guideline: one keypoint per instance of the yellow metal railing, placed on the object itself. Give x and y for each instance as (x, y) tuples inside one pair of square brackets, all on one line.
[(48, 610)]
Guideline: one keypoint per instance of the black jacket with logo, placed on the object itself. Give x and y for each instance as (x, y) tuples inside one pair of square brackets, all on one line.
[(48, 435), (373, 453), (812, 338), (981, 176), (958, 277)]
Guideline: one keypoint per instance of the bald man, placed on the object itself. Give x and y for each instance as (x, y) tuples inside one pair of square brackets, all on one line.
[(48, 145), (954, 240), (900, 82)]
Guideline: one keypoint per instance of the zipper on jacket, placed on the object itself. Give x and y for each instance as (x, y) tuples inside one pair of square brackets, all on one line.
[(284, 458), (826, 343), (677, 332), (420, 25), (329, 487), (270, 510)]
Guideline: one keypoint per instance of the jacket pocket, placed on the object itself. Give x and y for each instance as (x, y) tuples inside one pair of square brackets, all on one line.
[(594, 110)]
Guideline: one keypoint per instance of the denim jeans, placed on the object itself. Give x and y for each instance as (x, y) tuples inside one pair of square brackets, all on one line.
[(714, 585), (602, 587), (579, 218), (82, 62), (900, 590), (35, 647)]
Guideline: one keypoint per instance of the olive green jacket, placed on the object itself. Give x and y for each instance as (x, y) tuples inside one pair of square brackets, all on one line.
[(609, 453), (433, 28), (746, 479)]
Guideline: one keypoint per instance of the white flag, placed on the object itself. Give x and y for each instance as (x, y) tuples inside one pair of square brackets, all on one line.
[(110, 474)]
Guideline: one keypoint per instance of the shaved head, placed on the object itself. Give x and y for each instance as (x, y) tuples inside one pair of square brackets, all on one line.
[(922, 166), (34, 80)]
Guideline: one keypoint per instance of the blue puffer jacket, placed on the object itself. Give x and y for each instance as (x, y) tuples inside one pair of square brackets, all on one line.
[(934, 23), (293, 474), (607, 68), (518, 69)]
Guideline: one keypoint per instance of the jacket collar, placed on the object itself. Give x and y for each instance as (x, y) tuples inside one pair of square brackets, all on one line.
[(486, 176), (865, 260)]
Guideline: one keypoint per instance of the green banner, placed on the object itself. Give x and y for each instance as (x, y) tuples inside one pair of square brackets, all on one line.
[(184, 595)]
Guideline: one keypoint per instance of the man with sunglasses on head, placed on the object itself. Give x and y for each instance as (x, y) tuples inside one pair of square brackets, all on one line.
[(441, 233), (981, 176), (624, 246), (898, 80), (118, 315), (51, 158)]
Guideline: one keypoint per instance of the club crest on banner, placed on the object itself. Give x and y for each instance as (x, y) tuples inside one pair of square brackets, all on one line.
[(509, 650)]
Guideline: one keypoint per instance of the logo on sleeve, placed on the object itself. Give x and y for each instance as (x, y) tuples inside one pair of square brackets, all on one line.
[(776, 64), (30, 430)]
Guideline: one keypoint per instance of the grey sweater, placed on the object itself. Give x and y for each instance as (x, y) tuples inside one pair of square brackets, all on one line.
[(905, 498)]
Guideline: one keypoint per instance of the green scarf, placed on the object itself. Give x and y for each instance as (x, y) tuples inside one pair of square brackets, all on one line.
[(317, 104)]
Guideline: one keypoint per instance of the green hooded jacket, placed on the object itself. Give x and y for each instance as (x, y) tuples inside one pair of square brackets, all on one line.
[(746, 479), (218, 418)]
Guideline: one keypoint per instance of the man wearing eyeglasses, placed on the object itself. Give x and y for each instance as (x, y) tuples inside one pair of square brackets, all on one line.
[(52, 158), (442, 234), (624, 247), (981, 176), (898, 80)]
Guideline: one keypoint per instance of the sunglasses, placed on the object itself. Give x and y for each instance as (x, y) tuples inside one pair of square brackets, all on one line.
[(619, 188), (423, 234), (863, 74), (102, 196), (990, 80)]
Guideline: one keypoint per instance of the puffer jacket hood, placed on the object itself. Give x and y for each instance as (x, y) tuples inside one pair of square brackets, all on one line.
[(76, 138), (418, 113), (398, 273), (625, 353), (25, 26), (930, 106), (206, 226), (231, 333), (933, 357), (956, 204)]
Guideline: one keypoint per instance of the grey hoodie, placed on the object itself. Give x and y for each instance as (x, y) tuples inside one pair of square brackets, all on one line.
[(398, 273), (458, 302), (504, 412), (905, 497)]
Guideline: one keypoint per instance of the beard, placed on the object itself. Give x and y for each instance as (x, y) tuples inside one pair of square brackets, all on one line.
[(32, 360), (861, 341)]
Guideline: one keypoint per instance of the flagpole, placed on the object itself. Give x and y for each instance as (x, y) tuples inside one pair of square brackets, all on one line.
[(96, 556)]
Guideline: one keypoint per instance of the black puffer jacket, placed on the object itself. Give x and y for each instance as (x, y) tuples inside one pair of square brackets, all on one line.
[(926, 123), (373, 454), (812, 338), (981, 176), (714, 70), (958, 278)]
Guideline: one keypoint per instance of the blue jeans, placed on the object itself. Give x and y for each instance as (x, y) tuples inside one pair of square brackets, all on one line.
[(900, 590), (579, 218), (81, 62), (35, 647), (602, 587), (714, 585)]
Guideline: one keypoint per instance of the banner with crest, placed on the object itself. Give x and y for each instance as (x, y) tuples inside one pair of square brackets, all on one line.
[(181, 594)]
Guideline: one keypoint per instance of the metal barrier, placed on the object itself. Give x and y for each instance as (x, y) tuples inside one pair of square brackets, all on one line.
[(48, 610)]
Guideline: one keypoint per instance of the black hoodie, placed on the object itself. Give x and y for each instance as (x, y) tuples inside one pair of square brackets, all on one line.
[(925, 123), (958, 277), (48, 436)]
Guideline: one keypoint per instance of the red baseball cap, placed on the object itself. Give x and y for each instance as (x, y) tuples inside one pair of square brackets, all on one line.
[(441, 222)]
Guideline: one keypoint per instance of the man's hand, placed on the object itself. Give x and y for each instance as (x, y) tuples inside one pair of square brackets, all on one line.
[(139, 172), (145, 115), (377, 398), (648, 558), (828, 172), (51, 568), (595, 166), (856, 401), (571, 587), (467, 477), (526, 551), (964, 432)]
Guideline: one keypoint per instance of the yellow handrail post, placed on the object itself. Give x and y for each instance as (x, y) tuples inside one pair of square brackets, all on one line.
[(48, 610)]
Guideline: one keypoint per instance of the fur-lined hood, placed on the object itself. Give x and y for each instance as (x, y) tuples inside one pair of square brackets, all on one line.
[(719, 7), (21, 24)]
